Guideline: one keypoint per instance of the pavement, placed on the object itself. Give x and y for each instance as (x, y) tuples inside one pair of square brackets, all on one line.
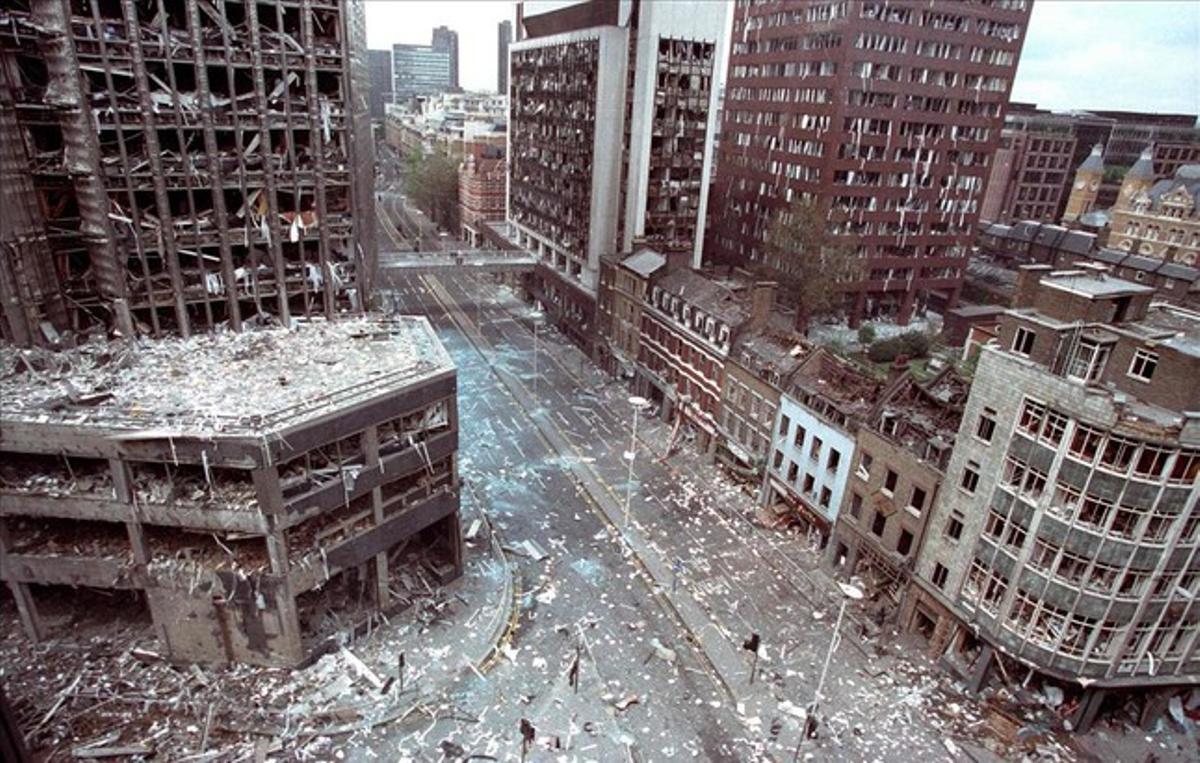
[(710, 574), (614, 639)]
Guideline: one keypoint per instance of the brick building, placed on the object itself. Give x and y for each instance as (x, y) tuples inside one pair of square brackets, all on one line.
[(611, 131), (900, 458), (1029, 242), (887, 114), (1067, 536), (1031, 169), (689, 324), (171, 170), (623, 285), (760, 365), (243, 501), (481, 186)]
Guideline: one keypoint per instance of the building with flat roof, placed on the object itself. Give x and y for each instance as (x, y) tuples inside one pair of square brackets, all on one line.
[(419, 70), (503, 40), (887, 116), (380, 62), (611, 127), (170, 169), (1031, 169), (236, 481), (1066, 540), (445, 38)]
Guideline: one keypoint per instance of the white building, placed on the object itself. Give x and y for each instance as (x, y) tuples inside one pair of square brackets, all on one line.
[(583, 182), (812, 446)]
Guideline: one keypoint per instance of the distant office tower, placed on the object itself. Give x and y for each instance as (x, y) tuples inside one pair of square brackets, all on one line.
[(170, 171), (419, 70), (380, 62), (445, 38), (504, 39), (611, 128), (1030, 169), (885, 114)]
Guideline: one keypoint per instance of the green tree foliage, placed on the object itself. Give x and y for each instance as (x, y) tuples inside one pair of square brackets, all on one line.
[(432, 183), (912, 344), (866, 334), (807, 260)]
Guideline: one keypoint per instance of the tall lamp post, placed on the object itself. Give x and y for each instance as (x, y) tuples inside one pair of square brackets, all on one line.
[(639, 404), (536, 318), (849, 593)]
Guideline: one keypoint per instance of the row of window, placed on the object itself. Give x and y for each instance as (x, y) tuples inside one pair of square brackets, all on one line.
[(1088, 360), (1111, 452)]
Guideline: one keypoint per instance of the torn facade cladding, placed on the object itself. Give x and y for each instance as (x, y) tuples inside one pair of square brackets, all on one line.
[(184, 165), (230, 477)]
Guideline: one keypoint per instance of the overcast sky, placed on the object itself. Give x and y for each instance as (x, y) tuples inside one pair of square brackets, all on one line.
[(1141, 55)]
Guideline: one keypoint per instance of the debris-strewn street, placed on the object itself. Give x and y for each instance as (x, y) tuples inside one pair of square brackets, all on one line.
[(612, 640)]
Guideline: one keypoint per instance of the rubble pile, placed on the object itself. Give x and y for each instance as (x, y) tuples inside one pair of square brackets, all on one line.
[(106, 690)]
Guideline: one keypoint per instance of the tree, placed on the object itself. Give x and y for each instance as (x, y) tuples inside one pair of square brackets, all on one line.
[(807, 260), (432, 183)]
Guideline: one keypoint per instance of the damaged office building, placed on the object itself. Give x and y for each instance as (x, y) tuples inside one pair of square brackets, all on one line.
[(170, 167), (256, 492)]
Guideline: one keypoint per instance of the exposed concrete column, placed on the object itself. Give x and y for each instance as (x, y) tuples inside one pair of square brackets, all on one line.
[(291, 643), (1155, 705), (270, 503), (137, 539), (371, 452), (26, 606), (981, 669), (1085, 715)]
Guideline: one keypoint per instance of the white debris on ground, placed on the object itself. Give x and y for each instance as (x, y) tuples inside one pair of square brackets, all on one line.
[(223, 382)]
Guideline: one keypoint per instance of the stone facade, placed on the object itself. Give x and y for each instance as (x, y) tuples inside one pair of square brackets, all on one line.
[(1067, 535)]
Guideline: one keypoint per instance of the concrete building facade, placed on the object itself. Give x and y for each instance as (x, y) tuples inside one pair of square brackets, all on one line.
[(610, 142), (504, 38), (419, 70), (380, 62), (446, 39), (243, 501), (1067, 534), (886, 115), (179, 169)]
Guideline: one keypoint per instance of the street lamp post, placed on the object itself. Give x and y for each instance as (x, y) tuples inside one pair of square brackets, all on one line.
[(849, 592), (536, 317), (639, 404)]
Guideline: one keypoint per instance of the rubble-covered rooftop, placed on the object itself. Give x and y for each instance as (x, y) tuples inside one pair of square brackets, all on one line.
[(236, 383)]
